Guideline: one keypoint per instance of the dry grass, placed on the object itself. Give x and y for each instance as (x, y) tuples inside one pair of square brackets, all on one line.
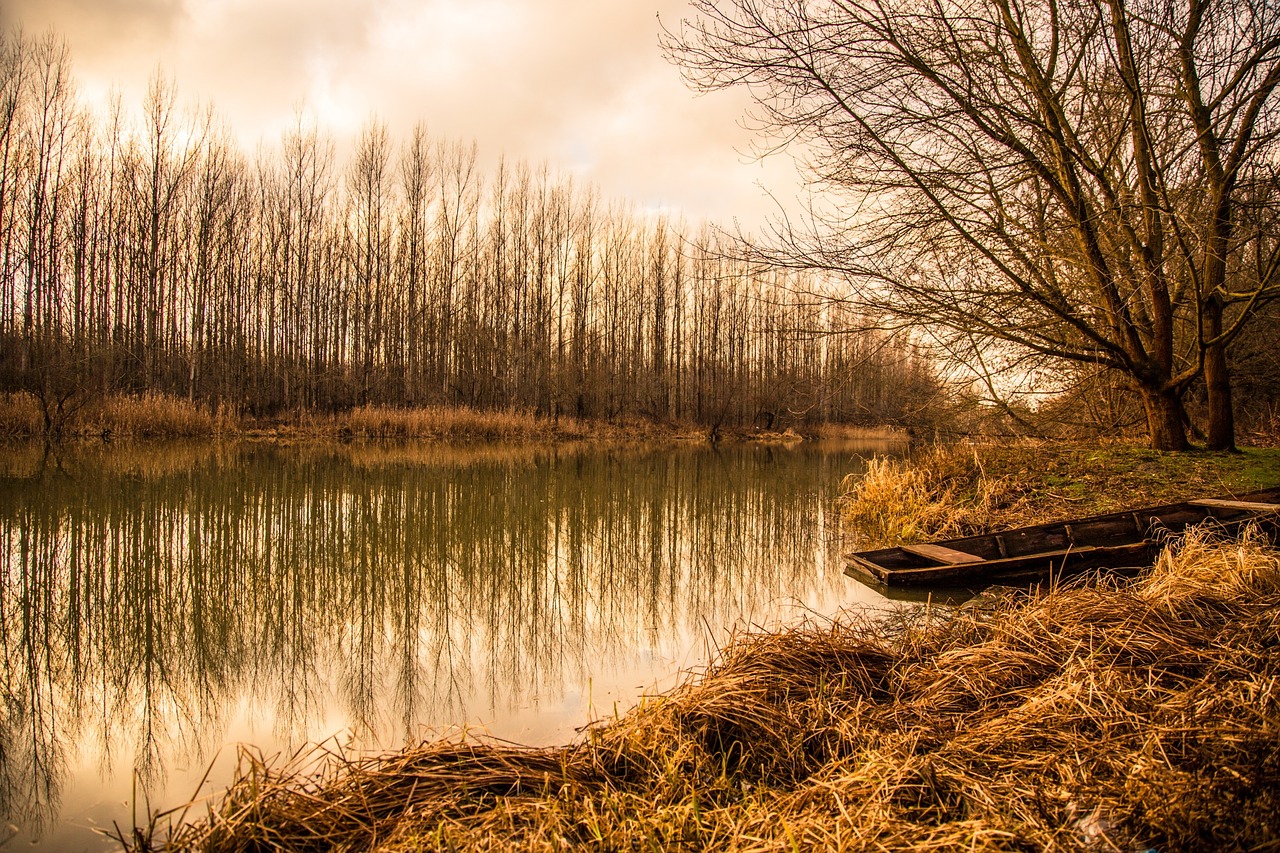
[(20, 415), (119, 415), (153, 416), (960, 490), (156, 415), (165, 416), (850, 432), (465, 424), (1095, 717), (938, 493), (452, 423)]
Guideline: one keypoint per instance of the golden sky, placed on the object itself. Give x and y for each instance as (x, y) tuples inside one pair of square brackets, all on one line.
[(579, 84)]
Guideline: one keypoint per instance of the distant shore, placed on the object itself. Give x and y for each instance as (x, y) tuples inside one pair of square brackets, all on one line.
[(154, 416)]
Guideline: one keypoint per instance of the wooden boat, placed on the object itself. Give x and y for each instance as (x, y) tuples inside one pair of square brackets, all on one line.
[(1115, 540)]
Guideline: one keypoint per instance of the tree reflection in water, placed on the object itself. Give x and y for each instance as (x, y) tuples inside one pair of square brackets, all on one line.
[(152, 595)]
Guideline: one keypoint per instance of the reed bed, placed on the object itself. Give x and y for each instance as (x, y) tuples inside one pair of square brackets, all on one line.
[(20, 415), (1092, 716), (155, 416), (451, 422), (462, 423), (165, 416), (854, 432), (148, 415), (940, 492)]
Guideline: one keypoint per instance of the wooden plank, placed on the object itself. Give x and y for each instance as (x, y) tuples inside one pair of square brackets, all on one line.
[(1035, 540), (943, 554), (867, 568), (1221, 503)]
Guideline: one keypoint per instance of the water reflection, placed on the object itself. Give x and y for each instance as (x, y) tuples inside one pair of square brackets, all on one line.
[(159, 603)]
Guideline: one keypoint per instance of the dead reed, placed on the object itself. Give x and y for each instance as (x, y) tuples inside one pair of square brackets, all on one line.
[(154, 416), (463, 424), (852, 432), (1094, 716), (940, 492), (20, 415), (119, 415), (452, 423)]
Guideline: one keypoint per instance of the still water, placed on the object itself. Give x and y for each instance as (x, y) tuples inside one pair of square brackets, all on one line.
[(162, 605)]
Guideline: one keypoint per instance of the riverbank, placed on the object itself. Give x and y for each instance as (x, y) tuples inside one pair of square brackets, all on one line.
[(153, 416), (1091, 718), (960, 490)]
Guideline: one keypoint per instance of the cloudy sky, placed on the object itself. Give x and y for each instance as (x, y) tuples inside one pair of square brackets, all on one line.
[(580, 84)]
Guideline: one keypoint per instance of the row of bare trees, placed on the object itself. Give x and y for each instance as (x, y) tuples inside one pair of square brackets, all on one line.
[(147, 252)]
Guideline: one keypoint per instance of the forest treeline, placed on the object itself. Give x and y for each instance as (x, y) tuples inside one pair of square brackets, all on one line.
[(143, 251)]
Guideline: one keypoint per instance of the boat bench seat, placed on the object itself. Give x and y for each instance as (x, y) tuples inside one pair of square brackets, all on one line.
[(943, 554)]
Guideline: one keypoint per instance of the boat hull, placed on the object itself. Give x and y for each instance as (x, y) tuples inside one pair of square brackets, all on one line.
[(1128, 539)]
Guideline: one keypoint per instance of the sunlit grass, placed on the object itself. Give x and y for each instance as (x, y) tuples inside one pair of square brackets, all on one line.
[(452, 422), (149, 415), (959, 490)]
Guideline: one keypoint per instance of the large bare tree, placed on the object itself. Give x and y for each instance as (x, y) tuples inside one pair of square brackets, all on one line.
[(1064, 180)]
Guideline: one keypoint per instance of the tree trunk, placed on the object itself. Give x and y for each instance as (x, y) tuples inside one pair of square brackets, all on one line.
[(1217, 380), (1222, 423), (1164, 420)]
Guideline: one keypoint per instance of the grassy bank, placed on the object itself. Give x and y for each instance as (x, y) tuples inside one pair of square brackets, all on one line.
[(958, 490), (159, 416), (1090, 718)]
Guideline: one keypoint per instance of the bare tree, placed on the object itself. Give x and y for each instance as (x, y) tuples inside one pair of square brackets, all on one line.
[(459, 194), (369, 228), (1059, 178), (44, 356), (416, 178), (14, 64)]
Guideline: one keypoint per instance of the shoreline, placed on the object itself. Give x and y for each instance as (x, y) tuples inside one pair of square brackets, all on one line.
[(156, 417)]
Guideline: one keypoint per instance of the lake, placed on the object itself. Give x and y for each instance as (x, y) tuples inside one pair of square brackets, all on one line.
[(163, 604)]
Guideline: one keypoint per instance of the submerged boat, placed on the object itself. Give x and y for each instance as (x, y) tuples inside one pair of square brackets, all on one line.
[(1115, 540)]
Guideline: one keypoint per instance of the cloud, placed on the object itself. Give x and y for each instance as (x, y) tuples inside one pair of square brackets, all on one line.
[(579, 84), (128, 21)]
